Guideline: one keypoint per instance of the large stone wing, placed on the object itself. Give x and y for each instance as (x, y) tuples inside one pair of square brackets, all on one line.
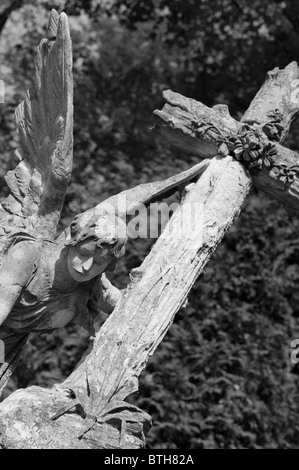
[(45, 124)]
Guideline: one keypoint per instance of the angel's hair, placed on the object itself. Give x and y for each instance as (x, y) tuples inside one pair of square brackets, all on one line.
[(103, 226)]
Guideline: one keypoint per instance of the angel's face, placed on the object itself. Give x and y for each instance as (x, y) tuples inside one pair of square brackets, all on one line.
[(87, 260)]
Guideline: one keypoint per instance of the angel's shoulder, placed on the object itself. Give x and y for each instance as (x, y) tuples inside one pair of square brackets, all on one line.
[(19, 259), (21, 247)]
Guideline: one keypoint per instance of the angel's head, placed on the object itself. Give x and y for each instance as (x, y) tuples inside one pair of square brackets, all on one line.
[(98, 239)]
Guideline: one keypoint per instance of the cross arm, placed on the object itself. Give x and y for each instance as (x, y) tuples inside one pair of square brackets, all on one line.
[(192, 127)]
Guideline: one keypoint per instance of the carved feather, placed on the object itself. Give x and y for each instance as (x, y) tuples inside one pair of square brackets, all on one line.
[(45, 125)]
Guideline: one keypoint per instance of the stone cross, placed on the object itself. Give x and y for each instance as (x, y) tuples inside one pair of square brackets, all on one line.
[(90, 408)]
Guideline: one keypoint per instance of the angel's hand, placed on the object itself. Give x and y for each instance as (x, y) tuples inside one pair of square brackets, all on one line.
[(110, 295), (15, 271)]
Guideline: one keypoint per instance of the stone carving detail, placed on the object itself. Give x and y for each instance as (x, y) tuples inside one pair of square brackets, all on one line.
[(47, 282), (274, 127), (250, 148)]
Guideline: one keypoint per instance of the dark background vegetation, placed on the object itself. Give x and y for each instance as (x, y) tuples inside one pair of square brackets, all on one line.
[(222, 377)]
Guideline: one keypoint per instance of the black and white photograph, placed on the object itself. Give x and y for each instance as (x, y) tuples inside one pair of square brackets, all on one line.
[(149, 232)]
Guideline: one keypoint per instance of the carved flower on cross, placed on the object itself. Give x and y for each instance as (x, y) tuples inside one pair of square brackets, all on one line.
[(286, 174)]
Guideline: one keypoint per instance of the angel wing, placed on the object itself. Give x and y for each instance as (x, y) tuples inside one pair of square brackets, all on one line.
[(45, 124)]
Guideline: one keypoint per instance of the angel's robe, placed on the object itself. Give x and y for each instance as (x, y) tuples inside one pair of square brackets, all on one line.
[(41, 308)]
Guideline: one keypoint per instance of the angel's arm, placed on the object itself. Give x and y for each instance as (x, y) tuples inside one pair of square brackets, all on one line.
[(129, 200), (15, 271)]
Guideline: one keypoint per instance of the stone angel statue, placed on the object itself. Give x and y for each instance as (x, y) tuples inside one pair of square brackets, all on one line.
[(48, 281)]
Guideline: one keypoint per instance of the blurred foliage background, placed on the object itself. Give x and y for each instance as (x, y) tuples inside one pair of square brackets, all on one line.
[(222, 377)]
